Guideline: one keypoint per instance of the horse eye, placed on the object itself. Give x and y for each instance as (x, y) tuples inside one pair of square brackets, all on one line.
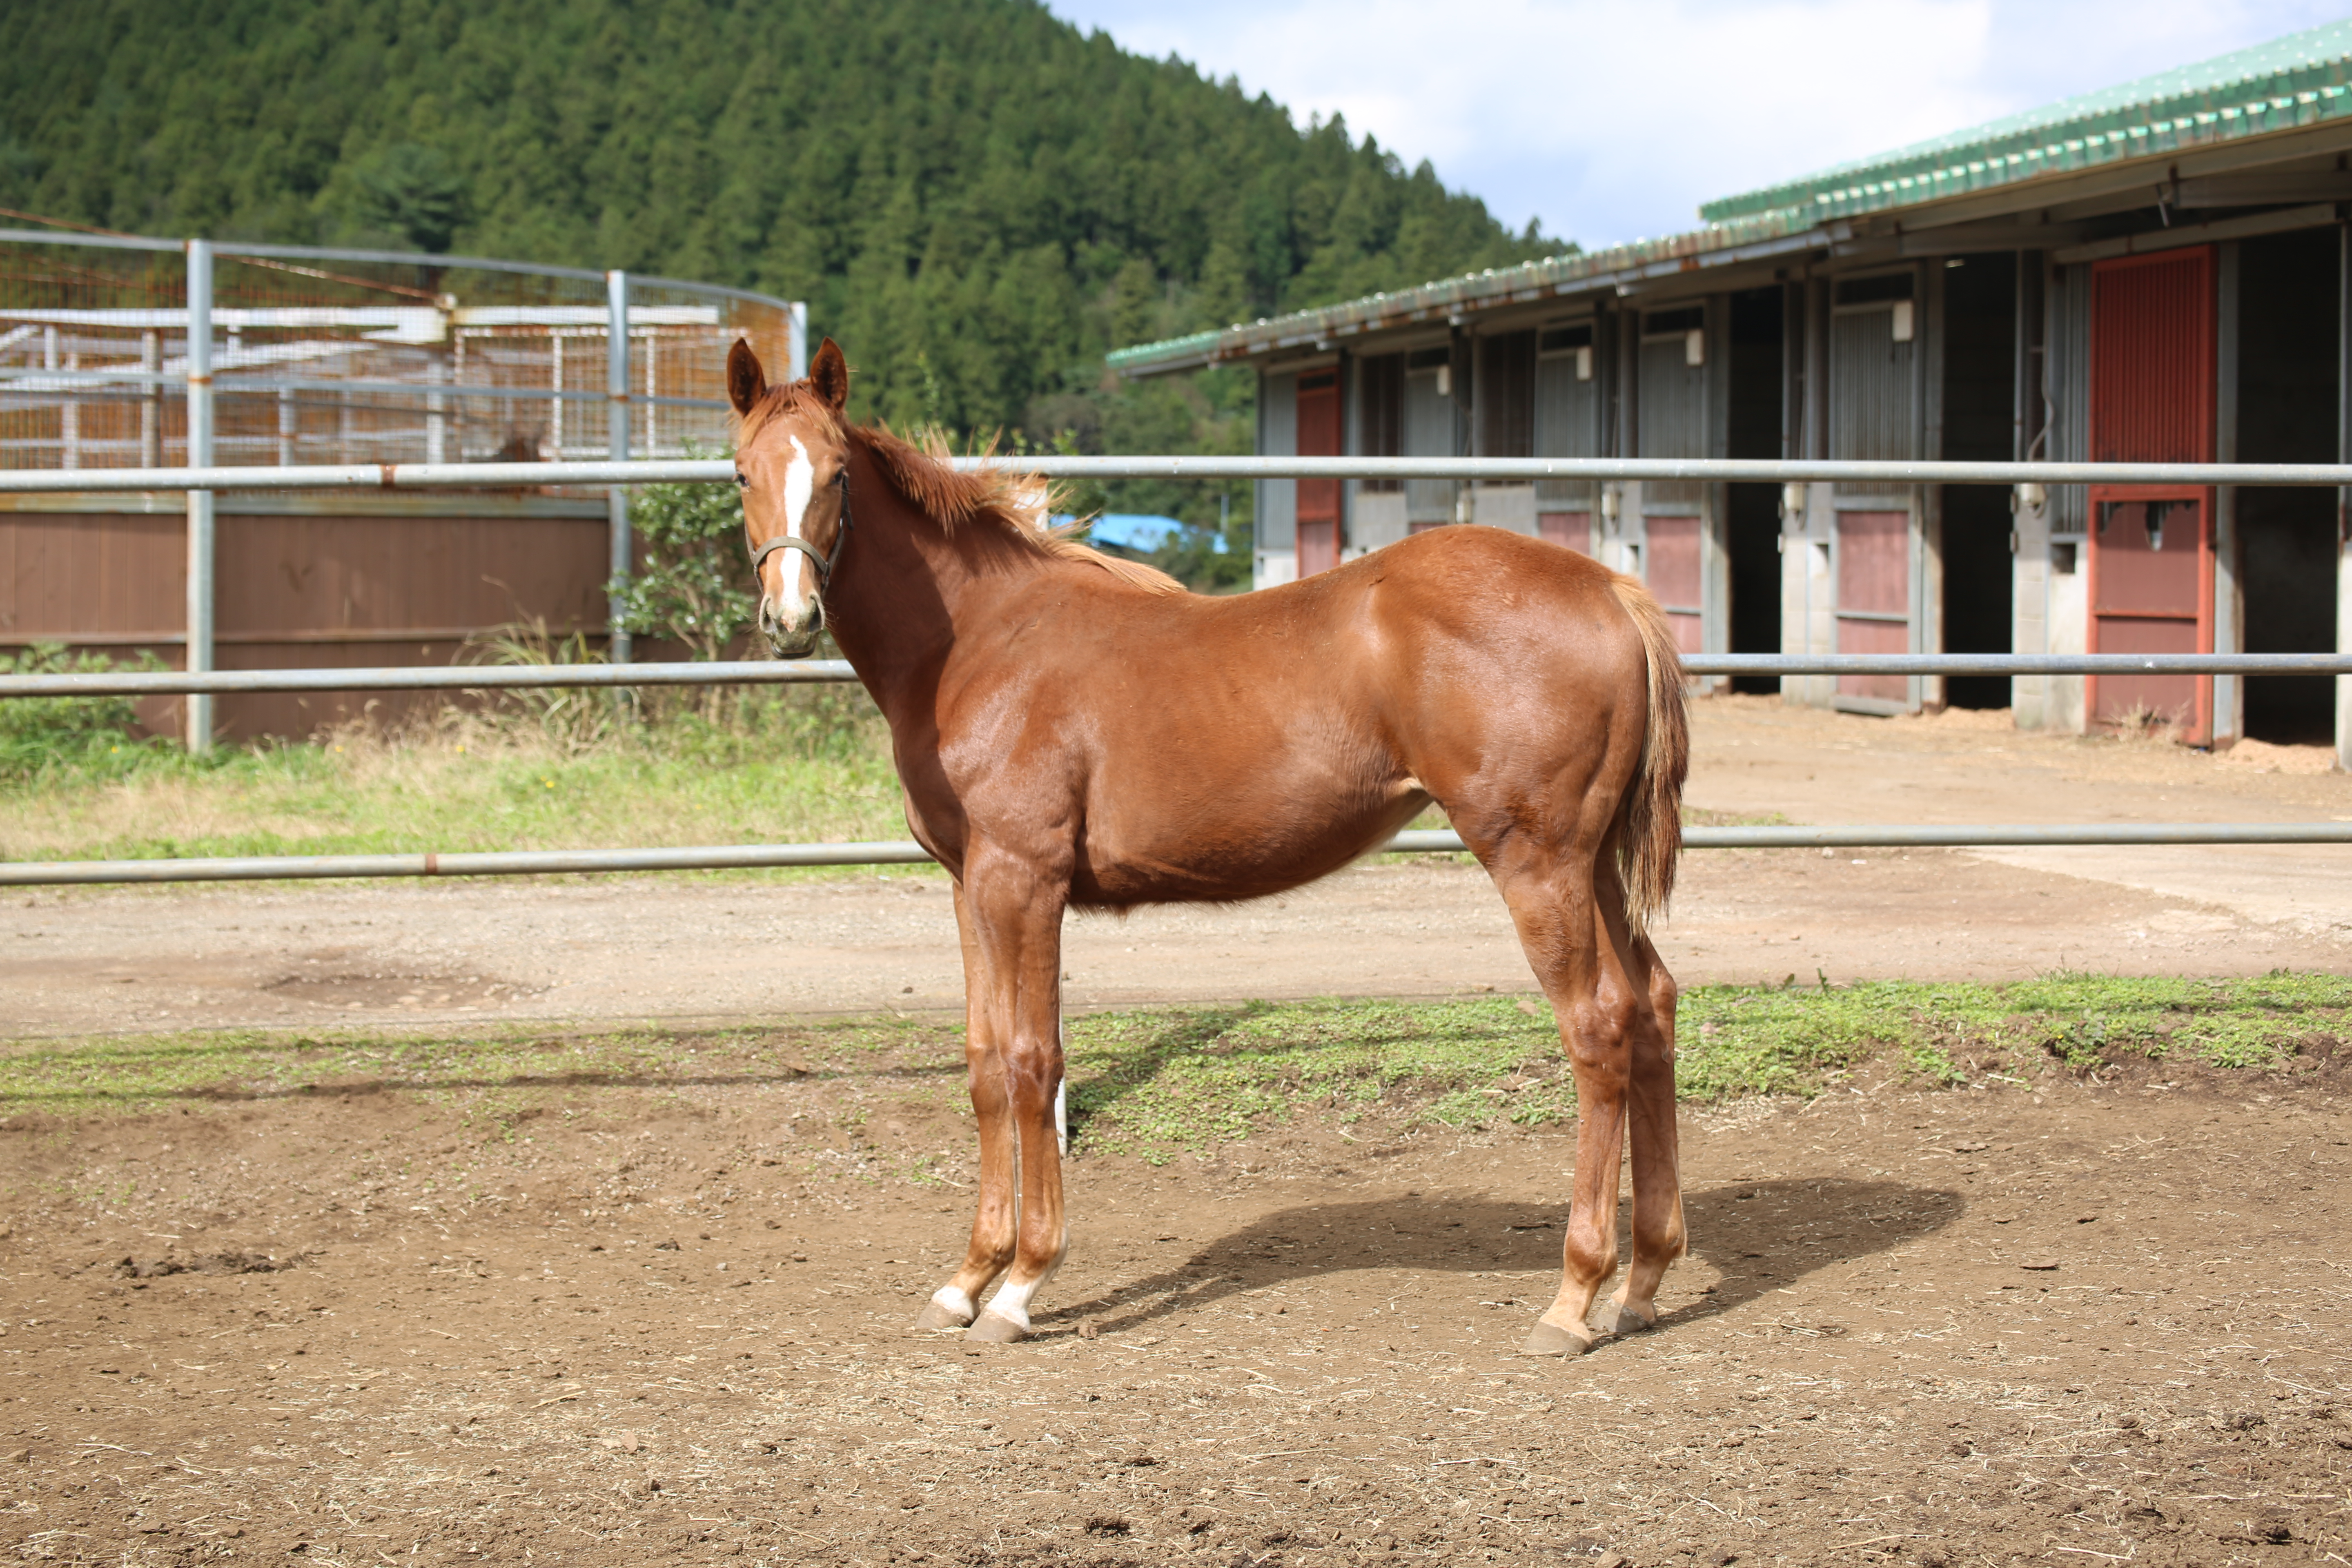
[(742, 481)]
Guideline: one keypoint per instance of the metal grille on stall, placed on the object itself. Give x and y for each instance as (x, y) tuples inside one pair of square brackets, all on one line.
[(1505, 410), (1567, 425), (2151, 548), (1429, 432), (1874, 414), (1672, 422)]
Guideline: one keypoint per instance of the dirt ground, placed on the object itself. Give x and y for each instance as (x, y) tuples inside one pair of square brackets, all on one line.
[(665, 1320), (669, 1323), (100, 960)]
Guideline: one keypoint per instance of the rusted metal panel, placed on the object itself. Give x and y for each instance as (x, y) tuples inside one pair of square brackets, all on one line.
[(298, 589), (1671, 567), (1318, 428), (2152, 347), (2151, 590), (1874, 597)]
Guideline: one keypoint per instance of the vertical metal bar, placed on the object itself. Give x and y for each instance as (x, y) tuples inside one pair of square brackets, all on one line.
[(286, 428), (617, 447), (200, 502), (2228, 706), (796, 352), (555, 383), (150, 402), (2344, 496), (436, 404)]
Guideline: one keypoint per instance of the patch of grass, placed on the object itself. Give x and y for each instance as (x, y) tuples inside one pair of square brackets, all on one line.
[(789, 766), (1158, 1082)]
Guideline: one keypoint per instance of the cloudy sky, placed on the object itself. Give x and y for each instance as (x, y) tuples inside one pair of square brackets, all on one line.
[(1611, 121)]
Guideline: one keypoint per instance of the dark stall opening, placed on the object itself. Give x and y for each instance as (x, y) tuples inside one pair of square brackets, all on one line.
[(2288, 287), (1979, 425), (1752, 525)]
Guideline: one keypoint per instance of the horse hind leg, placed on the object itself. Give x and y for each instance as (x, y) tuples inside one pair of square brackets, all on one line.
[(1658, 1234), (1568, 945)]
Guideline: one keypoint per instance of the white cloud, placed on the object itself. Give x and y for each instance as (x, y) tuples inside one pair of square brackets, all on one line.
[(1611, 121)]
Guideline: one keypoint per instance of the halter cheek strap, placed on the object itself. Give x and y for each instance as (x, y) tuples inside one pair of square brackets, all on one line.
[(823, 560)]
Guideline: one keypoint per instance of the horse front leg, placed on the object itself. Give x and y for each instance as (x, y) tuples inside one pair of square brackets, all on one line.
[(1017, 921), (956, 1303)]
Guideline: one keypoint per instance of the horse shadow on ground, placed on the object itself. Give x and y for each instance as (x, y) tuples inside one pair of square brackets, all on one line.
[(1758, 1235)]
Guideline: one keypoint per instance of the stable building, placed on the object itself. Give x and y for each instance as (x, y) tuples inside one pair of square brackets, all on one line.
[(2156, 272)]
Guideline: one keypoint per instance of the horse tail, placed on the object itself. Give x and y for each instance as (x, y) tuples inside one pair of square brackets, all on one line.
[(1649, 835)]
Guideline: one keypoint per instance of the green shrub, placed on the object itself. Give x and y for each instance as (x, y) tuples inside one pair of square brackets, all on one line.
[(40, 735)]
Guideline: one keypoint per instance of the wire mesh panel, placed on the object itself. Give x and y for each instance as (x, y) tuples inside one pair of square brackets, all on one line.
[(356, 362)]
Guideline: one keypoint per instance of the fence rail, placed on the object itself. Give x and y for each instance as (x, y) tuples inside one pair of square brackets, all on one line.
[(778, 672), (1774, 470), (906, 851), (203, 683)]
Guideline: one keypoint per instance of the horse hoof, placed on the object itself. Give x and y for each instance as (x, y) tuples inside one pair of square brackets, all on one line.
[(1550, 1339), (935, 1317), (993, 1329), (1624, 1319)]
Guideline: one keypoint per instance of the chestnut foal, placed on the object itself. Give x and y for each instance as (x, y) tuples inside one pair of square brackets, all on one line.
[(1074, 731)]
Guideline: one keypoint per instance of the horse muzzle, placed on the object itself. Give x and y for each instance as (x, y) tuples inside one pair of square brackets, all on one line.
[(793, 635)]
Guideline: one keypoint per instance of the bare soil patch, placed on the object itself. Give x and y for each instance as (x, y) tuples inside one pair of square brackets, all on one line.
[(617, 1322)]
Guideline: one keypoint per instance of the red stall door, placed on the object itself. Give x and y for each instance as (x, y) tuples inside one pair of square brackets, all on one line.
[(1318, 500), (1674, 575), (2151, 550), (1874, 598), (2151, 592)]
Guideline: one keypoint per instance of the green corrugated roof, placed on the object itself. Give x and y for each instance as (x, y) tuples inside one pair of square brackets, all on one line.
[(2299, 79)]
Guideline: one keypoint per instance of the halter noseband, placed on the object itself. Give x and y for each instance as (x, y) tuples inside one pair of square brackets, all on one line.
[(824, 560)]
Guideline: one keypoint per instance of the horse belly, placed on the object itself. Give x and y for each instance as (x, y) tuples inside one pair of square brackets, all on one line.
[(1212, 841)]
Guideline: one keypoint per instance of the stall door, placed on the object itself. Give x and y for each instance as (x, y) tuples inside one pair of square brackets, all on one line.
[(1318, 500), (2151, 549), (2151, 582), (1874, 598), (1674, 576)]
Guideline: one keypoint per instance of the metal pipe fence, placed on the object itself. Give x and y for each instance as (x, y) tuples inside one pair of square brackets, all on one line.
[(906, 851), (786, 673), (200, 683), (1776, 470)]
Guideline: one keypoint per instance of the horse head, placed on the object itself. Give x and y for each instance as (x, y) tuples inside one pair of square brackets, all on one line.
[(792, 462)]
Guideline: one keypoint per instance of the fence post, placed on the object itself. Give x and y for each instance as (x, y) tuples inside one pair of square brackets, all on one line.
[(797, 342), (616, 499), (200, 502)]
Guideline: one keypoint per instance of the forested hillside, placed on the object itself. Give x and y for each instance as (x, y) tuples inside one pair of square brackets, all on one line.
[(976, 198)]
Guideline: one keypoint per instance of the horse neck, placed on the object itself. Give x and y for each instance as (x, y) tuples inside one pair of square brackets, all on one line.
[(899, 590)]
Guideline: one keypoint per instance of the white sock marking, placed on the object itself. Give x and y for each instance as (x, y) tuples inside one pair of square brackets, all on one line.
[(953, 1301)]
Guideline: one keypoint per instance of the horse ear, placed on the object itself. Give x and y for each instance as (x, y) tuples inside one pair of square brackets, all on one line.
[(829, 373), (746, 383)]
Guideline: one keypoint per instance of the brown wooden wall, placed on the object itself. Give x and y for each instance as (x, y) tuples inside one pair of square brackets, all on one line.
[(318, 586)]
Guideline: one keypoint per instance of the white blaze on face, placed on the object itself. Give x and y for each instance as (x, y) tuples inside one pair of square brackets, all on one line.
[(800, 483)]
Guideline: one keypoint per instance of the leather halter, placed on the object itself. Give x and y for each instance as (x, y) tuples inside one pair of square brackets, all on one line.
[(823, 560)]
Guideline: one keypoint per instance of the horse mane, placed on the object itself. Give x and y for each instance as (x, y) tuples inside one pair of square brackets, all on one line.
[(1019, 505)]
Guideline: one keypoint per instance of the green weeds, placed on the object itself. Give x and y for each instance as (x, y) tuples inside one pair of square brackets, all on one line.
[(1155, 1083)]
